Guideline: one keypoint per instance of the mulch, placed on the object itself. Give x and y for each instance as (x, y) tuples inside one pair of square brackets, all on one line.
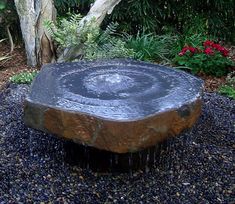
[(16, 64)]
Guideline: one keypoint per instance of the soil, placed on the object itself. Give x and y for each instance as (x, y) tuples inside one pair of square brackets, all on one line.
[(213, 83), (18, 63)]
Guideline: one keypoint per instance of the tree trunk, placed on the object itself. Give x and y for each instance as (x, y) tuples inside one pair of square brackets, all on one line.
[(38, 43), (98, 12)]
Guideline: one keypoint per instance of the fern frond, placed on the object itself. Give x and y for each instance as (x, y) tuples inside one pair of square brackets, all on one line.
[(110, 30)]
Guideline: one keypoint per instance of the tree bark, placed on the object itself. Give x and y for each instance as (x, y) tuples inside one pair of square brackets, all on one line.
[(98, 12), (26, 12), (44, 44), (38, 43)]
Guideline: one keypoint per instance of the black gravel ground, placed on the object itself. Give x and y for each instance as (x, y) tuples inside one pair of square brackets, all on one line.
[(198, 166)]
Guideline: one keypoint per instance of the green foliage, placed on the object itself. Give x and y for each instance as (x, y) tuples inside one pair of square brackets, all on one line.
[(150, 47), (194, 33), (113, 49), (220, 18), (25, 77), (211, 58), (196, 25), (194, 40), (136, 15), (216, 65), (65, 31), (216, 17), (228, 91), (2, 5), (93, 42), (9, 17), (105, 44), (74, 6), (229, 88), (63, 4)]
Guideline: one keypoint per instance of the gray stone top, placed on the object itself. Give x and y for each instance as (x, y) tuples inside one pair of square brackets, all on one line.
[(119, 89)]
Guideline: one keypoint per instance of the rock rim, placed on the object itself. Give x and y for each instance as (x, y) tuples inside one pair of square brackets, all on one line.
[(128, 133)]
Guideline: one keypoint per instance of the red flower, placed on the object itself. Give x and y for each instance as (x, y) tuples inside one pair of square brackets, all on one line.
[(221, 49), (210, 48), (187, 48), (181, 53), (208, 51), (225, 53), (208, 43), (192, 49), (217, 47)]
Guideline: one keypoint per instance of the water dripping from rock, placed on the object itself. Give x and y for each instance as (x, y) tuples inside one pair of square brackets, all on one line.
[(108, 162)]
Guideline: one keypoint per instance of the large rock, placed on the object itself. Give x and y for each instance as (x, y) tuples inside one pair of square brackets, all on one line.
[(115, 105)]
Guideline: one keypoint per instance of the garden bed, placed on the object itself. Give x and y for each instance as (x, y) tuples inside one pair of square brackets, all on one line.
[(18, 64), (196, 167)]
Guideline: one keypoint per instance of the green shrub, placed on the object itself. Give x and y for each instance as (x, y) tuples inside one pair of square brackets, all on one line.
[(64, 32), (210, 58), (194, 40), (74, 6), (229, 88), (150, 47), (228, 91), (216, 17), (136, 15), (25, 77), (92, 42)]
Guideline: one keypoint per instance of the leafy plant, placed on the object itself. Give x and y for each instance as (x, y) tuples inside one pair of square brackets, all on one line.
[(2, 5), (194, 40), (195, 31), (216, 17), (25, 77), (229, 88), (92, 42), (210, 58), (64, 32), (9, 21), (104, 43), (228, 91), (136, 15), (73, 6), (151, 47)]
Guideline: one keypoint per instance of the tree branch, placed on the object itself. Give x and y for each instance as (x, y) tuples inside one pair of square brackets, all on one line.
[(98, 12), (10, 38)]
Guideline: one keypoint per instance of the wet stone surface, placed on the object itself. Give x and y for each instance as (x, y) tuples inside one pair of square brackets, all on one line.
[(196, 167), (121, 90), (94, 103)]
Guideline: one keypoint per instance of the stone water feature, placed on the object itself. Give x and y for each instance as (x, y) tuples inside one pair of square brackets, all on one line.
[(121, 108)]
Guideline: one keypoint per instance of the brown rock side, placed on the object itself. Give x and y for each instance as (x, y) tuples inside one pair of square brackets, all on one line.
[(114, 136)]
